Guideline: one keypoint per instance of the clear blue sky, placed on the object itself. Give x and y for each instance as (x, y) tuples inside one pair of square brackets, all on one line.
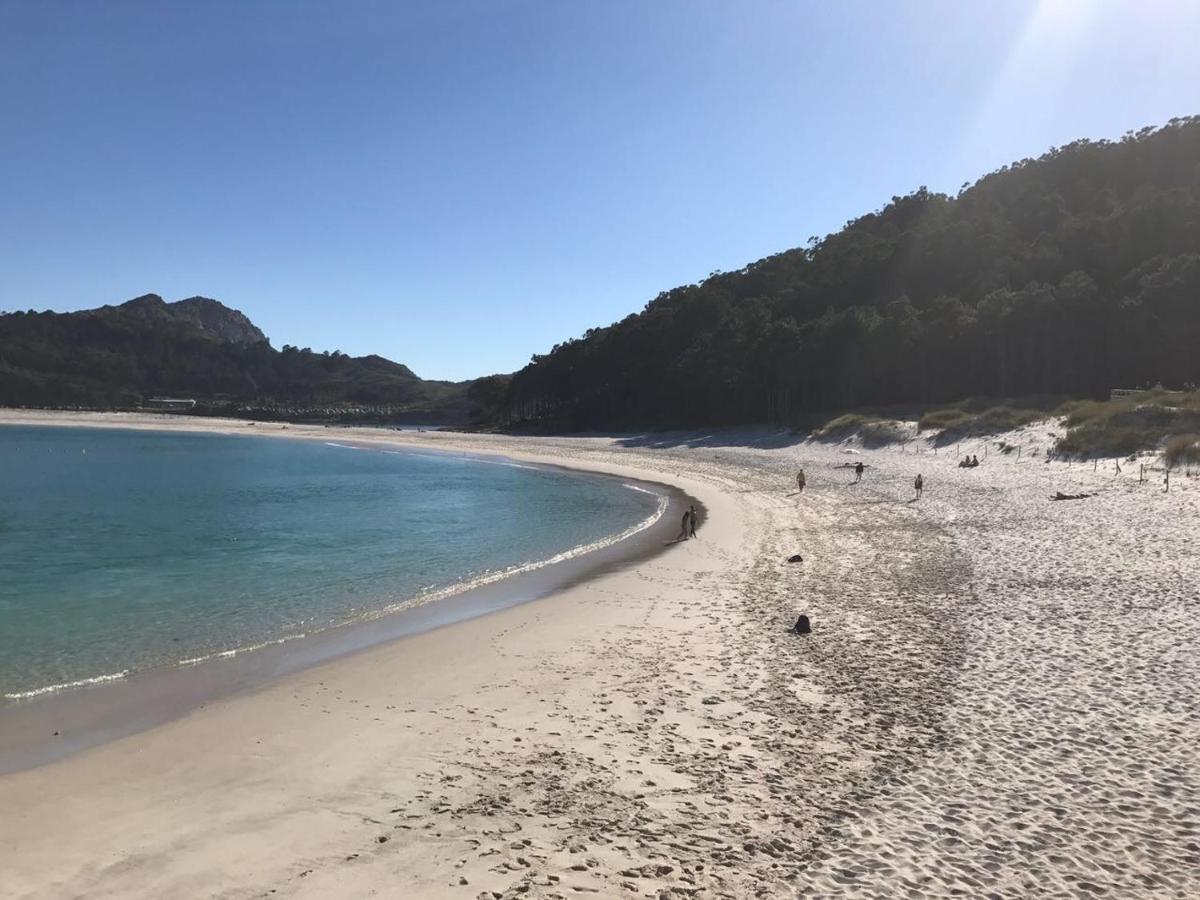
[(457, 185)]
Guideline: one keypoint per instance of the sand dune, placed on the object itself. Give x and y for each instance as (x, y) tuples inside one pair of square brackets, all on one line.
[(998, 699)]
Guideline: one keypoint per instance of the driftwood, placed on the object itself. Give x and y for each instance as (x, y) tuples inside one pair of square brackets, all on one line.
[(1061, 496)]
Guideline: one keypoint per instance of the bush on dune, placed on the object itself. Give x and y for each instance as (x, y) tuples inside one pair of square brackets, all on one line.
[(1077, 412), (841, 427), (878, 434), (874, 431), (990, 420), (1182, 449), (944, 420), (1130, 424), (1092, 440), (1004, 418)]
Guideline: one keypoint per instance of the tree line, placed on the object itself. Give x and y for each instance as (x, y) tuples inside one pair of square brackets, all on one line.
[(120, 356), (1068, 274)]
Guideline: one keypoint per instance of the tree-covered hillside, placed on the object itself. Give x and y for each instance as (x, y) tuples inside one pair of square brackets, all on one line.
[(121, 356), (1068, 274)]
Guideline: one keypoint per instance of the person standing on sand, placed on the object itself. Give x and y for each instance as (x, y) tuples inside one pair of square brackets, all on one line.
[(919, 484), (858, 470), (687, 521), (692, 522), (801, 481)]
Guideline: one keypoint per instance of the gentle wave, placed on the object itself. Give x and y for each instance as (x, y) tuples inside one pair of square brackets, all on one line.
[(230, 654), (522, 568), (66, 685), (432, 595), (420, 600)]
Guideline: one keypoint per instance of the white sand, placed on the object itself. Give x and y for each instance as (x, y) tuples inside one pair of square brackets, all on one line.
[(999, 699)]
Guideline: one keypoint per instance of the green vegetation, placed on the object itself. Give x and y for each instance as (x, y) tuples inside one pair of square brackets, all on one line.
[(842, 427), (120, 356), (1182, 450), (1077, 412), (1069, 274), (1065, 275), (950, 420), (1150, 420), (957, 420), (487, 398), (874, 431), (1125, 426)]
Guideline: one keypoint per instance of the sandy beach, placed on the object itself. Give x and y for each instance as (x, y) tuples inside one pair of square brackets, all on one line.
[(998, 700)]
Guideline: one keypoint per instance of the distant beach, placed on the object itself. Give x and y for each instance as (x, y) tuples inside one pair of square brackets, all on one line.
[(997, 698)]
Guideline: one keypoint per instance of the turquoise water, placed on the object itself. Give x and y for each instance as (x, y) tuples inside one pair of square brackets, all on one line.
[(123, 550)]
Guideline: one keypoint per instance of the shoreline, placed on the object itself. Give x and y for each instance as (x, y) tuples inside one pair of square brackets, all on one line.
[(996, 698), (56, 722)]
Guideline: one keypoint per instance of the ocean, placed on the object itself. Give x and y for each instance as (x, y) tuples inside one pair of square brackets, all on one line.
[(122, 551)]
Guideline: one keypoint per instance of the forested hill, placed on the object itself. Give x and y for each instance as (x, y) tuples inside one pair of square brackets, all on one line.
[(122, 356), (1068, 274)]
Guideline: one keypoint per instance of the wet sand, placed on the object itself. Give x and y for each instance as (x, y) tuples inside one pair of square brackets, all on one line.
[(53, 726), (997, 700)]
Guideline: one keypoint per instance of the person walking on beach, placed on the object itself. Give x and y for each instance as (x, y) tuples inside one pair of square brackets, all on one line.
[(919, 484), (687, 522), (858, 470), (801, 481), (692, 522)]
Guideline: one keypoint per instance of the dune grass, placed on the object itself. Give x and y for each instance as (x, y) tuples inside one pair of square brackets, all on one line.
[(991, 420), (945, 420), (883, 432), (841, 427), (1154, 420), (874, 431), (1131, 424), (1182, 450)]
